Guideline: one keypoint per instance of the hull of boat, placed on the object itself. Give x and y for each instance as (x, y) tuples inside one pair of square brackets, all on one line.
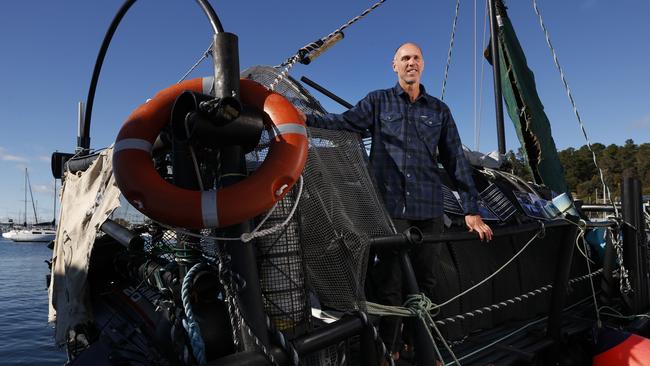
[(30, 236)]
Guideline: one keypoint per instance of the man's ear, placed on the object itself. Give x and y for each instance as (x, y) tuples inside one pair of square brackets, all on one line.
[(394, 66)]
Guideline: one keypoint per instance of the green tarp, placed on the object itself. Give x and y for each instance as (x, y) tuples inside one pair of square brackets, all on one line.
[(526, 110)]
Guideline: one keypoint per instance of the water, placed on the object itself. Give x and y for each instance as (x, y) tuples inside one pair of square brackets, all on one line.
[(25, 336)]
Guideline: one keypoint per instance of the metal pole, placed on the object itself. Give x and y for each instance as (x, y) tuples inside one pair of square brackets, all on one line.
[(225, 53), (423, 347), (496, 72)]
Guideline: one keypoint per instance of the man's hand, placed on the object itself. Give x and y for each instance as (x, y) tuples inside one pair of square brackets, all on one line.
[(475, 224)]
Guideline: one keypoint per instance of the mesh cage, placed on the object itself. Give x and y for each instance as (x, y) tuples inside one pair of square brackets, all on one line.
[(338, 211)]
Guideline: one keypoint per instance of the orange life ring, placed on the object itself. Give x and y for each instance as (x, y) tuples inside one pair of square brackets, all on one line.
[(162, 201)]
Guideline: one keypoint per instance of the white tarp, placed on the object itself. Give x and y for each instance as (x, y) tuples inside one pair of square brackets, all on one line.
[(88, 199)]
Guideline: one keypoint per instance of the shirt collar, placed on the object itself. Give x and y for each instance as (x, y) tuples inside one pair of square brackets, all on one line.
[(424, 97)]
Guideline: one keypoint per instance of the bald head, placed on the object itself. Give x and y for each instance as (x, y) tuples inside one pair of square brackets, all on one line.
[(408, 64), (404, 44)]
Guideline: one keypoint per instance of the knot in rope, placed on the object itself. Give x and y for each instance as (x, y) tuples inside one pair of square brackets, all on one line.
[(421, 306)]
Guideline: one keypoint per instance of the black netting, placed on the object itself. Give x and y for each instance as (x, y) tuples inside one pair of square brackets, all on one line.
[(338, 211)]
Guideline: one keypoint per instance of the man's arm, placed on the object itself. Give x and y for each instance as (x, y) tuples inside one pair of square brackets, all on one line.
[(356, 119), (458, 167)]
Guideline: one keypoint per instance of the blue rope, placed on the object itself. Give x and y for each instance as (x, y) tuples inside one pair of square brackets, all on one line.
[(190, 325)]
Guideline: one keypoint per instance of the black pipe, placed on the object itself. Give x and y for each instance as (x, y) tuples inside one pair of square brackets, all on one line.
[(320, 338), (233, 170), (400, 240), (634, 250), (85, 132), (326, 92), (560, 285), (132, 241), (225, 53), (423, 348), (81, 163), (496, 72)]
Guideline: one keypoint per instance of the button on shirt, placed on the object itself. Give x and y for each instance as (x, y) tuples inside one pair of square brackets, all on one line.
[(403, 157)]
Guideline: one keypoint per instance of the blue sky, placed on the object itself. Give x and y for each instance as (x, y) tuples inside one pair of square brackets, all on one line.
[(49, 49)]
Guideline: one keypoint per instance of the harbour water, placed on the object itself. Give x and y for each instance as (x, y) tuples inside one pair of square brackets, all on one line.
[(25, 336)]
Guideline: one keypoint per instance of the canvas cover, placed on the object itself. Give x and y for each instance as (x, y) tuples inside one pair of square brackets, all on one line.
[(87, 199), (526, 109)]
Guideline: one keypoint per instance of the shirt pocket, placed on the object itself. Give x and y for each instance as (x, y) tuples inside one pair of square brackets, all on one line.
[(429, 128), (391, 124)]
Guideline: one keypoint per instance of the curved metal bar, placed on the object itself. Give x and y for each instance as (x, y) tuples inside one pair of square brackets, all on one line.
[(214, 19), (85, 133)]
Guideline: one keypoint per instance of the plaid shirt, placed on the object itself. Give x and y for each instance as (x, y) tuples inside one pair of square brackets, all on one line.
[(403, 155)]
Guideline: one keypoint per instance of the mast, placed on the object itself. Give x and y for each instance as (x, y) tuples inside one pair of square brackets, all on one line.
[(25, 200), (496, 73), (31, 194)]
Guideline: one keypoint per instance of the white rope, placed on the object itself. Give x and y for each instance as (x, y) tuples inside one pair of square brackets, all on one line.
[(256, 233), (573, 104)]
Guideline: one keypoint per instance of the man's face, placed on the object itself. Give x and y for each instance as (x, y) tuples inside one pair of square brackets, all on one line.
[(408, 64)]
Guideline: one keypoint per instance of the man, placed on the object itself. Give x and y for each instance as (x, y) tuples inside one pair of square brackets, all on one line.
[(411, 131)]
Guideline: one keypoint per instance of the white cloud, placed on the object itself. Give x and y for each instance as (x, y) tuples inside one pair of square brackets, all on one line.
[(44, 158), (4, 156)]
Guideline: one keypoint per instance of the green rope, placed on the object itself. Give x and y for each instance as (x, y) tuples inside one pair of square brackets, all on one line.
[(420, 306)]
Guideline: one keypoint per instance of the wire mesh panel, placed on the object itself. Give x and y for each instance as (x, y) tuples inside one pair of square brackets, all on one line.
[(339, 208)]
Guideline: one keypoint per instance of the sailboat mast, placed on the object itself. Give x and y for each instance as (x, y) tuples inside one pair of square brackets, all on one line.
[(496, 72), (25, 200), (31, 194)]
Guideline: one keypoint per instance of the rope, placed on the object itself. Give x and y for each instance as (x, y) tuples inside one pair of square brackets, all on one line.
[(206, 53), (256, 233), (573, 104), (375, 336), (284, 342), (451, 46), (237, 321), (190, 325), (511, 301), (291, 61)]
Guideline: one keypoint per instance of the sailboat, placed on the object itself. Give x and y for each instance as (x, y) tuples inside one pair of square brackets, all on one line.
[(38, 232), (257, 231)]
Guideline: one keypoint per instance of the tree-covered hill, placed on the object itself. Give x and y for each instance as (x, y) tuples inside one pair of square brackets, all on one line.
[(582, 175)]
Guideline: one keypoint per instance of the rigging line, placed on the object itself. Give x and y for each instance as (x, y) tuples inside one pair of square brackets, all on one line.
[(205, 55), (537, 235), (573, 104), (480, 103), (475, 56), (291, 61), (515, 332), (451, 46)]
